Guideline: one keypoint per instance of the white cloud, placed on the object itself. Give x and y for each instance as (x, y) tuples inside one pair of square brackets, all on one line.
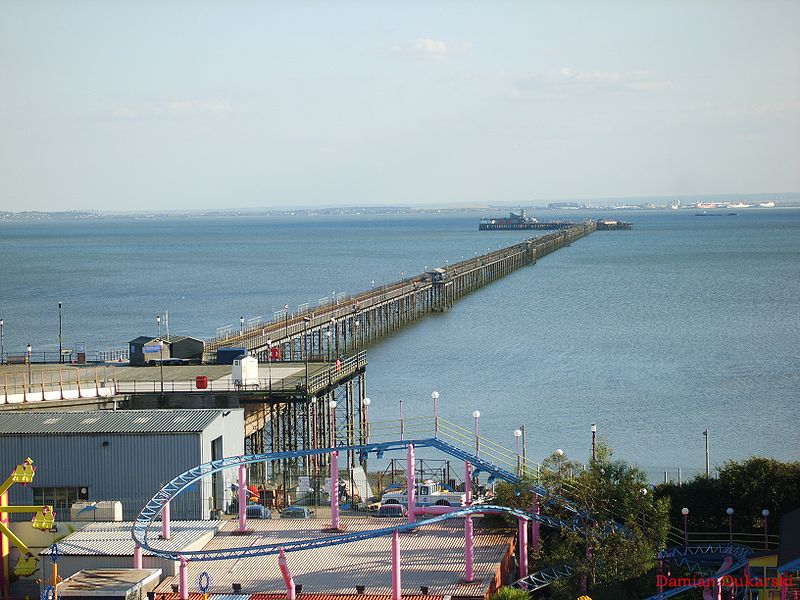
[(568, 79), (173, 108), (429, 48)]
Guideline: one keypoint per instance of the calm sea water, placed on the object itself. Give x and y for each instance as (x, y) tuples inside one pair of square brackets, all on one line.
[(682, 323)]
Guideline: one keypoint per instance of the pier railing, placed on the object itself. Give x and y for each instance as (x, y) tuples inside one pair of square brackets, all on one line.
[(63, 383), (332, 374)]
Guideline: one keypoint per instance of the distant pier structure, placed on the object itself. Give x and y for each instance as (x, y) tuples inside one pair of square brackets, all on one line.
[(521, 221), (517, 221)]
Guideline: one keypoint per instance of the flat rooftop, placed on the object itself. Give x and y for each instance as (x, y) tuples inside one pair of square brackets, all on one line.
[(114, 538), (106, 582), (431, 556)]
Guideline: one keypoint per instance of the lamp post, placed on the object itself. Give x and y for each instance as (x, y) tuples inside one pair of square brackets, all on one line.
[(160, 354), (332, 405), (357, 326), (2, 343), (329, 335), (60, 359), (285, 320), (476, 415), (241, 325), (367, 402), (729, 512), (435, 397), (402, 428), (30, 352), (305, 346), (524, 450), (708, 459), (594, 442), (517, 435), (161, 364), (269, 362), (560, 460), (335, 338), (685, 513), (644, 495), (765, 514)]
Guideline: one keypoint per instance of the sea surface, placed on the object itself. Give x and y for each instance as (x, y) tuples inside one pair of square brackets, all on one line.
[(654, 334)]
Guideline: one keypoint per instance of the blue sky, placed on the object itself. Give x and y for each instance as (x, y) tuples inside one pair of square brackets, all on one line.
[(160, 105)]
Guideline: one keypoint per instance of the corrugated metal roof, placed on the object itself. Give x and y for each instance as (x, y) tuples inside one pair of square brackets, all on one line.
[(114, 539), (432, 556), (107, 421)]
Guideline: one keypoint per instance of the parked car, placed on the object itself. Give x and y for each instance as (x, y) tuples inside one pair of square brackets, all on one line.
[(256, 511), (396, 511), (296, 512)]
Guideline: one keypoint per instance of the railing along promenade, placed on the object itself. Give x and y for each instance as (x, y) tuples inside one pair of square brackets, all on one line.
[(349, 323)]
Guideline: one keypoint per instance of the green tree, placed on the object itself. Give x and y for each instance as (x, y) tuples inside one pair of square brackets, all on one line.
[(625, 526), (748, 487), (509, 593)]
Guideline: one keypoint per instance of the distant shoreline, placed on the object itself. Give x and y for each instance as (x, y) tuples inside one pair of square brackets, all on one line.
[(568, 207)]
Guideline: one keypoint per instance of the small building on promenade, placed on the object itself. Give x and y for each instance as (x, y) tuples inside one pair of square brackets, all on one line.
[(120, 455)]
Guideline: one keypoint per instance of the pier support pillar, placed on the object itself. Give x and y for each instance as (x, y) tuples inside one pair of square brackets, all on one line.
[(183, 586), (396, 584), (535, 540), (288, 580), (334, 490), (411, 484), (165, 522), (242, 499), (469, 551), (522, 546)]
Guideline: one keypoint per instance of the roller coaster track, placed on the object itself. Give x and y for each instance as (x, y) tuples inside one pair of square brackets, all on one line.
[(701, 559), (147, 516), (543, 578), (693, 558)]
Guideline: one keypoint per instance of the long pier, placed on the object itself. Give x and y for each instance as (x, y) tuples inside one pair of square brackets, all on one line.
[(346, 325)]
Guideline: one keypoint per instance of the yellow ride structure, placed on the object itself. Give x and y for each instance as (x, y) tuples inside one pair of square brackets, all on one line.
[(43, 518)]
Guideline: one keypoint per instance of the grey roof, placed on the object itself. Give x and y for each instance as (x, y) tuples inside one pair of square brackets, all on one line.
[(173, 339), (107, 421), (114, 539), (143, 339)]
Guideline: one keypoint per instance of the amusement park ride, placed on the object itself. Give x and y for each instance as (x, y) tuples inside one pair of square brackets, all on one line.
[(43, 519), (712, 561)]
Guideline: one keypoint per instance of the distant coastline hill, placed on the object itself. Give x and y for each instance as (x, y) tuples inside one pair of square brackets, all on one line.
[(36, 215)]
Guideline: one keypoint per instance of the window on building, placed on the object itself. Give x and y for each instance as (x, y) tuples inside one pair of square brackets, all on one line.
[(60, 498)]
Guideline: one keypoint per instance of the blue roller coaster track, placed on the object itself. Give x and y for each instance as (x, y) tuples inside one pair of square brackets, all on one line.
[(693, 558)]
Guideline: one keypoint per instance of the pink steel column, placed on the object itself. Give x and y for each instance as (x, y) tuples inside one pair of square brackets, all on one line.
[(334, 490), (165, 524), (396, 586), (242, 499), (469, 552), (137, 557), (183, 585), (535, 525), (411, 484), (287, 575), (522, 535)]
